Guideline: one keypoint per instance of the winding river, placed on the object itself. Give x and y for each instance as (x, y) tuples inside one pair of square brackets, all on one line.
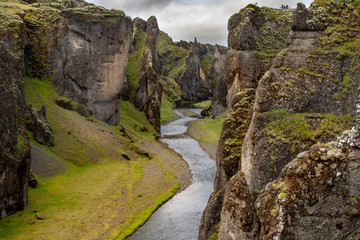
[(179, 218)]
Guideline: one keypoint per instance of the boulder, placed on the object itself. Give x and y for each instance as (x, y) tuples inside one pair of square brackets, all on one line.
[(316, 196), (37, 123)]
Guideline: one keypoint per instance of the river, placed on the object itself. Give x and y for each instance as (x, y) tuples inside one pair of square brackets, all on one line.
[(179, 218)]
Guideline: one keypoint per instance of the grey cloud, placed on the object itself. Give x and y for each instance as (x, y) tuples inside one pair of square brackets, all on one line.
[(133, 5), (186, 19)]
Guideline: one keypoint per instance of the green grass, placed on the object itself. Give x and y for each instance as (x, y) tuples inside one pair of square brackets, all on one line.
[(202, 104), (207, 130), (133, 69), (133, 119), (140, 219), (67, 195), (13, 6), (99, 192), (167, 113), (70, 200)]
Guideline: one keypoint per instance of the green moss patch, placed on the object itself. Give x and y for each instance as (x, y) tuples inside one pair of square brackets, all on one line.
[(303, 128), (202, 104), (133, 69)]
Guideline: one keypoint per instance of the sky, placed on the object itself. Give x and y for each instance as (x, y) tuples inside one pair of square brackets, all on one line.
[(186, 19)]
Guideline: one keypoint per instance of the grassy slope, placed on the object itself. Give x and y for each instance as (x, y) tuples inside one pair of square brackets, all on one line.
[(202, 104), (174, 65), (207, 130), (100, 195)]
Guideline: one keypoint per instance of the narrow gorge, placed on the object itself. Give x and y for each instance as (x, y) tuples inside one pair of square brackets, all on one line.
[(91, 147)]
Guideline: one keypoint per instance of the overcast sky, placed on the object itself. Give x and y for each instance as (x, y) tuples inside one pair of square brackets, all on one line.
[(187, 19)]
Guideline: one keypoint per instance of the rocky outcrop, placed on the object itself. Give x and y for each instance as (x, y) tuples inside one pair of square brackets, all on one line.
[(316, 196), (212, 60), (303, 99), (193, 82), (93, 59), (14, 143), (148, 92), (246, 62), (84, 50), (212, 63), (37, 123), (238, 218), (189, 69), (218, 103)]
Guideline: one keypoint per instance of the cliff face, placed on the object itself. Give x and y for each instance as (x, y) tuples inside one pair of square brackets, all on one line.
[(148, 92), (193, 82), (303, 99), (14, 143), (247, 59), (93, 59), (189, 70), (212, 64), (85, 51)]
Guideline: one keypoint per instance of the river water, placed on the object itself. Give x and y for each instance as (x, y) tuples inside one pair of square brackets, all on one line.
[(179, 218)]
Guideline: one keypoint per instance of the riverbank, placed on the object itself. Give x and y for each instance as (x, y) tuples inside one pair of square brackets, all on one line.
[(207, 131), (107, 182), (180, 217)]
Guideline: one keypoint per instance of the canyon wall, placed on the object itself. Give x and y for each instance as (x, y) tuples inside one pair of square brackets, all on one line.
[(84, 50), (93, 58), (14, 143), (149, 90), (307, 96)]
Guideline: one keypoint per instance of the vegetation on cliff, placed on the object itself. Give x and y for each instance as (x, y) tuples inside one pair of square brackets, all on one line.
[(97, 173), (308, 96), (118, 174)]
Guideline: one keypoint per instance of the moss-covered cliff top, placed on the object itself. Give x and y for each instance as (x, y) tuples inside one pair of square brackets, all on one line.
[(78, 7)]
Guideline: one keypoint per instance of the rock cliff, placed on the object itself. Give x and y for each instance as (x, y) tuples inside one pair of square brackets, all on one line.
[(212, 64), (14, 143), (307, 96), (93, 59), (149, 90), (189, 69), (84, 50), (194, 82)]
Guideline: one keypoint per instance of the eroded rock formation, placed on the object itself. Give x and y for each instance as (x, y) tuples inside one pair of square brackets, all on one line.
[(307, 96), (193, 82), (148, 92), (37, 123), (246, 62), (316, 196), (14, 143), (93, 59), (85, 51)]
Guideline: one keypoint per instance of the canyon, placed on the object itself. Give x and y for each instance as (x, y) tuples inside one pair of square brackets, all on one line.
[(83, 86)]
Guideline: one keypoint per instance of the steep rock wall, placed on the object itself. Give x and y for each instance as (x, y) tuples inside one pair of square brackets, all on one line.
[(318, 183), (84, 50), (193, 82), (14, 143), (149, 90), (212, 63), (93, 59), (248, 57), (301, 100)]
